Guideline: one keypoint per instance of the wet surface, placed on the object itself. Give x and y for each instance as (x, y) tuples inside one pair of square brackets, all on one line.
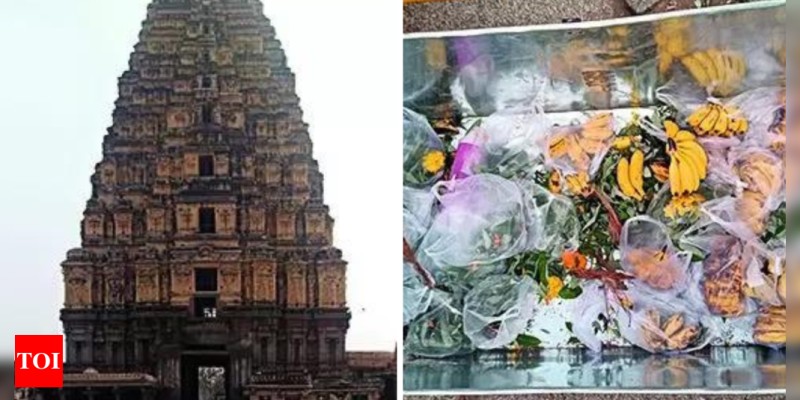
[(714, 369)]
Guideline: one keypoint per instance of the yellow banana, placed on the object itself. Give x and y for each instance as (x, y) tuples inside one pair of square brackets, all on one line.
[(674, 178), (623, 178), (699, 115), (698, 155), (722, 66), (697, 70), (721, 127), (708, 123), (709, 66), (637, 172), (690, 181)]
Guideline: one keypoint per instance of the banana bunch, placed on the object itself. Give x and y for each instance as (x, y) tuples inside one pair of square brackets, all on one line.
[(721, 71), (715, 120), (581, 145), (688, 160), (761, 172), (630, 175), (770, 327), (673, 334)]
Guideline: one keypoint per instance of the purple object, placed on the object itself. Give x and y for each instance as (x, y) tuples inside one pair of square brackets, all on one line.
[(468, 157)]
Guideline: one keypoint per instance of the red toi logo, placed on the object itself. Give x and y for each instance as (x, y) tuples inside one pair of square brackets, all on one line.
[(38, 361)]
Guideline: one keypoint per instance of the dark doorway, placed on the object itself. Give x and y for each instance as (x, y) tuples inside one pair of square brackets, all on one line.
[(205, 375)]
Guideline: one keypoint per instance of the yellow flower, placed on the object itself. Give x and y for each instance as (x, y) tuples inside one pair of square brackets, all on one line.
[(554, 286), (683, 205), (433, 161)]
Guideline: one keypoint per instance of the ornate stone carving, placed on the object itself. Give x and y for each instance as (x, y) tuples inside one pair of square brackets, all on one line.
[(198, 85), (187, 218), (256, 220), (300, 175), (190, 164), (285, 223), (226, 219), (179, 118), (222, 164), (296, 286), (264, 281), (78, 287), (93, 226), (123, 225), (147, 284), (182, 284), (230, 285), (156, 221), (108, 174), (273, 172), (331, 286), (115, 286)]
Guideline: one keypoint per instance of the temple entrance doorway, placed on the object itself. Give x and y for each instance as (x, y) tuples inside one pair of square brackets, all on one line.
[(205, 375)]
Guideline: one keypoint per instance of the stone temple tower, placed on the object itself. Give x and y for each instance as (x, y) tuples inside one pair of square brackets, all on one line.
[(206, 242)]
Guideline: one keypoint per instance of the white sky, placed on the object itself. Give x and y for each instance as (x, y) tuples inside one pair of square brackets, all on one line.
[(60, 63)]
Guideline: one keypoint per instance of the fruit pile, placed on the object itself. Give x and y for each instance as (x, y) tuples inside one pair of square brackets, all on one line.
[(663, 227)]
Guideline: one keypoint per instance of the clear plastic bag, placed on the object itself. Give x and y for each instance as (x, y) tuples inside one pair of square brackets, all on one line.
[(577, 149), (504, 144), (553, 224), (481, 221), (438, 333), (586, 311), (418, 212), (416, 296), (718, 282), (498, 309), (663, 325), (423, 151), (648, 254)]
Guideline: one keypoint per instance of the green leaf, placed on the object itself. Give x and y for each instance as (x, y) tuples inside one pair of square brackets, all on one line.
[(528, 341), (569, 326), (570, 293), (573, 340)]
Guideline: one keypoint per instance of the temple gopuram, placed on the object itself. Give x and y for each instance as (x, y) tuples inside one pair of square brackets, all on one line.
[(206, 244)]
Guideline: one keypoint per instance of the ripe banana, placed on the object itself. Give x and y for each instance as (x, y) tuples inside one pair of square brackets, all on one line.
[(716, 120), (688, 160), (719, 71), (630, 176)]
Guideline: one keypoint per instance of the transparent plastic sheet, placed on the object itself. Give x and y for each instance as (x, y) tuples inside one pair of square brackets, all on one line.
[(717, 284), (418, 212), (481, 221), (595, 66), (459, 280), (580, 148), (423, 151), (762, 173), (648, 254), (664, 324), (765, 110), (586, 311), (439, 332), (416, 296), (504, 144), (553, 224), (702, 61), (498, 309)]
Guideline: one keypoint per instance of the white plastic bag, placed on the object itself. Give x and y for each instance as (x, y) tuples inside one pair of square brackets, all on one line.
[(648, 254), (498, 309)]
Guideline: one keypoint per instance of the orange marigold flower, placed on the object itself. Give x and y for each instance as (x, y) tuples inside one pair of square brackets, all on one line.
[(573, 260), (554, 286)]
